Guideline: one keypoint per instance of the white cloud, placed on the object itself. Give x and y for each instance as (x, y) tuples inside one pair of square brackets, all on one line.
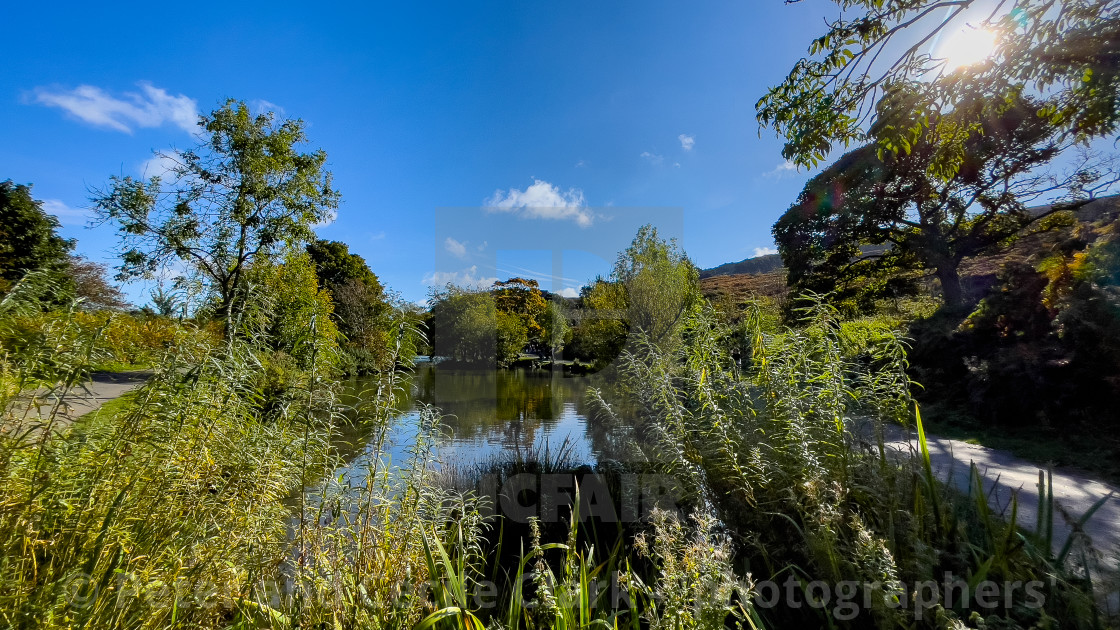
[(377, 237), (781, 170), (151, 107), (581, 163), (160, 165), (482, 247), (542, 200), (568, 292), (687, 141), (764, 251), (261, 106), (456, 248), (327, 220), (463, 278), (66, 215), (652, 157)]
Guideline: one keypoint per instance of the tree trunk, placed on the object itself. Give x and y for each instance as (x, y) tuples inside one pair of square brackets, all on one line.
[(950, 279)]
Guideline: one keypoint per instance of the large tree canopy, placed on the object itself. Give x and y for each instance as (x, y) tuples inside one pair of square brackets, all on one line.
[(335, 265), (361, 308), (1063, 54), (243, 193), (28, 238), (874, 214), (950, 156)]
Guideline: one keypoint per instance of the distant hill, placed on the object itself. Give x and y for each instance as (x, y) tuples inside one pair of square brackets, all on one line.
[(758, 264)]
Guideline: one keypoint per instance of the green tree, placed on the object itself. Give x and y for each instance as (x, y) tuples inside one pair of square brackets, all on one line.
[(556, 332), (599, 334), (464, 325), (523, 299), (877, 217), (289, 312), (361, 309), (661, 284), (335, 265), (1061, 52), (244, 193), (652, 287), (468, 326), (511, 337), (29, 239)]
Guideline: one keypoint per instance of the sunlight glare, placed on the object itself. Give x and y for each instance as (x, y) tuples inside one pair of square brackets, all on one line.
[(969, 46)]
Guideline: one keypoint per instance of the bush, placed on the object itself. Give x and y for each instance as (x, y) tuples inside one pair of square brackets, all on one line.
[(1040, 350)]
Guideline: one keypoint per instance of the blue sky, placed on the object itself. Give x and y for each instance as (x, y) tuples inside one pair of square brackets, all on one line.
[(614, 112)]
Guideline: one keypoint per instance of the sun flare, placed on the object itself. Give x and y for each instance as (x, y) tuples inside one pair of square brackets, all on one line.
[(968, 46)]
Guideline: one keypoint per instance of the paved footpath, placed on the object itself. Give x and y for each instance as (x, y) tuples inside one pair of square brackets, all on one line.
[(1004, 474), (100, 389)]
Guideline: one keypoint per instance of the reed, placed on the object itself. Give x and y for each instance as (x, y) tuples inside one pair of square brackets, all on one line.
[(213, 499)]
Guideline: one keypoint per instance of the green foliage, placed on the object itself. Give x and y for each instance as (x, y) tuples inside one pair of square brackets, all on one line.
[(496, 326), (187, 504), (948, 156), (1060, 53), (289, 313), (661, 284), (362, 311), (869, 224), (601, 325), (29, 241), (652, 288), (202, 501), (464, 325), (696, 586), (779, 449), (512, 337), (244, 193), (335, 265), (556, 332), (44, 346), (522, 299), (1039, 350)]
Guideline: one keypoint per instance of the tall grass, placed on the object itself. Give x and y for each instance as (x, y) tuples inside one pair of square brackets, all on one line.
[(188, 508), (770, 446), (210, 500)]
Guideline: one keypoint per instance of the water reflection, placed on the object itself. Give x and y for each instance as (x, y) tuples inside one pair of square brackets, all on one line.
[(491, 413)]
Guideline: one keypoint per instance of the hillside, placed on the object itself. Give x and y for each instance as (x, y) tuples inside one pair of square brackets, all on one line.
[(759, 264), (764, 276), (771, 284)]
